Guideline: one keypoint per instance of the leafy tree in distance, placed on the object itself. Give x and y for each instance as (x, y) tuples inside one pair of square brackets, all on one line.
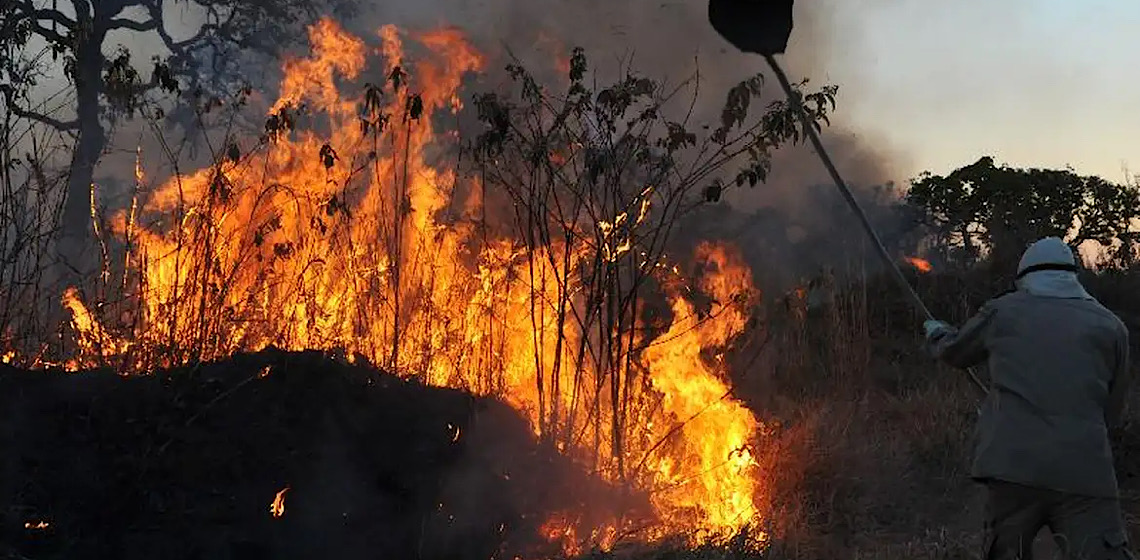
[(986, 210), (39, 37)]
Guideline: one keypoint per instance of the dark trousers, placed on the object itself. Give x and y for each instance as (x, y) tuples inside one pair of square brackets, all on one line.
[(1084, 527)]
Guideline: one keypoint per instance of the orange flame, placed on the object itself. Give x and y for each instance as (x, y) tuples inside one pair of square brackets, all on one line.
[(277, 508), (289, 249), (37, 525), (922, 265), (694, 392), (90, 334)]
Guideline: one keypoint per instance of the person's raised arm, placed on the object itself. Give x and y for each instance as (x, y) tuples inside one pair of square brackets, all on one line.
[(965, 347)]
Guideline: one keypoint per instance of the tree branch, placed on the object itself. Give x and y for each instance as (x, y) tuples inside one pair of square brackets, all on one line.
[(15, 109), (140, 26), (57, 16), (48, 33), (155, 9), (111, 8), (26, 10)]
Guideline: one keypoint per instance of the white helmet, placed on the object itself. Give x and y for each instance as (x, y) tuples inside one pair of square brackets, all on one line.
[(1047, 253)]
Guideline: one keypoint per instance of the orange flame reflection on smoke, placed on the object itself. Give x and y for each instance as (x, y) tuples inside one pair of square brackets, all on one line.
[(288, 249), (549, 44), (922, 265)]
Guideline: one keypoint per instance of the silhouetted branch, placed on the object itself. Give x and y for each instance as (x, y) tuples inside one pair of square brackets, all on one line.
[(176, 47), (15, 109), (141, 26), (27, 9)]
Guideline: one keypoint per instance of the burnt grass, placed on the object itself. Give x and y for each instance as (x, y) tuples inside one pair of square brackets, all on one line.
[(184, 464)]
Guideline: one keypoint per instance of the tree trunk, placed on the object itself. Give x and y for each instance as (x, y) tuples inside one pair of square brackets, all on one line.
[(76, 228)]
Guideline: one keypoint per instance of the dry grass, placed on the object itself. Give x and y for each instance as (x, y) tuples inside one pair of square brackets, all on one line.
[(873, 439)]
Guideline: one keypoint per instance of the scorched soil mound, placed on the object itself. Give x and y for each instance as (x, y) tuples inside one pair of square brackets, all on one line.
[(185, 464)]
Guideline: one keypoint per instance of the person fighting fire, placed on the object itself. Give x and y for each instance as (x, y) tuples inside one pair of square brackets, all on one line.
[(1058, 364)]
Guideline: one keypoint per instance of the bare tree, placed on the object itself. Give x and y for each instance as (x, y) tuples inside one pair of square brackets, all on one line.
[(73, 36)]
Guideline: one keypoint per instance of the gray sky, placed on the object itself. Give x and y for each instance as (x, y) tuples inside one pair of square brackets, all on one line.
[(929, 85), (1032, 82)]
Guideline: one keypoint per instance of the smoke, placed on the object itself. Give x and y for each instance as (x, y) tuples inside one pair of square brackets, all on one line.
[(790, 226), (786, 223)]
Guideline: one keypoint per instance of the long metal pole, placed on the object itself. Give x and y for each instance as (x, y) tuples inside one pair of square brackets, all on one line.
[(809, 129)]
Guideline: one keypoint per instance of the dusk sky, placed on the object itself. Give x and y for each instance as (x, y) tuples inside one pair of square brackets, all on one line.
[(1031, 82)]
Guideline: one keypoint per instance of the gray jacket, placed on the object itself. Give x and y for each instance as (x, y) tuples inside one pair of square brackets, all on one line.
[(1059, 370)]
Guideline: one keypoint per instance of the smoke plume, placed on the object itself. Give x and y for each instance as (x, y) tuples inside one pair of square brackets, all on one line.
[(789, 227), (787, 223)]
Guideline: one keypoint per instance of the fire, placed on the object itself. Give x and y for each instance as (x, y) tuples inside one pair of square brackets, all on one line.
[(559, 528), (277, 508), (37, 525), (334, 52), (695, 393), (355, 240), (89, 333), (921, 265)]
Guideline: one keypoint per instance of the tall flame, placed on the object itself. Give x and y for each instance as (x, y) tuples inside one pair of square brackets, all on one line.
[(277, 508), (350, 241), (722, 429)]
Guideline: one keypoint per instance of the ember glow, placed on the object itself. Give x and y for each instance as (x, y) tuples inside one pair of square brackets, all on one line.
[(338, 241), (37, 525), (921, 265)]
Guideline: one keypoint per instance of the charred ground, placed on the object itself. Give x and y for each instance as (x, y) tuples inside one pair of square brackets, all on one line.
[(185, 464)]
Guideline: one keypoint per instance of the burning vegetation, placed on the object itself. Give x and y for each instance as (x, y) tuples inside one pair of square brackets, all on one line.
[(384, 317), (534, 271), (920, 264)]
